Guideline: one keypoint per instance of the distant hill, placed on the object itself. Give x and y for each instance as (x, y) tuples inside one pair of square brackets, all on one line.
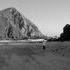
[(14, 25)]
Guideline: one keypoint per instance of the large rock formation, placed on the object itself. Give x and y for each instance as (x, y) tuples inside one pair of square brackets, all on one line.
[(15, 26)]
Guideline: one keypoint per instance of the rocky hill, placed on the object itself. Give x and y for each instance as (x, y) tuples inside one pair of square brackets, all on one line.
[(14, 26)]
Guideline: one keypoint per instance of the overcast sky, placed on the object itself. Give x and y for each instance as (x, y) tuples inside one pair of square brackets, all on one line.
[(49, 15)]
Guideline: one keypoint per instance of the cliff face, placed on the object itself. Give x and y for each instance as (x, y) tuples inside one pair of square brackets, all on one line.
[(13, 25)]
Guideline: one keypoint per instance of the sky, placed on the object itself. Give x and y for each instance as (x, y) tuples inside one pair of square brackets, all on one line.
[(50, 16)]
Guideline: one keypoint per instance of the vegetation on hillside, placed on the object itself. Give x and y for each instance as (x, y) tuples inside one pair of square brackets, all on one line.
[(64, 36)]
